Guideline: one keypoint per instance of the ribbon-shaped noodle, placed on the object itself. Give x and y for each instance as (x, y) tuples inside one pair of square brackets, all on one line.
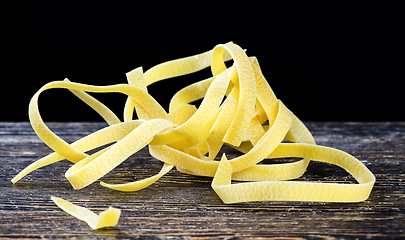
[(107, 218), (238, 108)]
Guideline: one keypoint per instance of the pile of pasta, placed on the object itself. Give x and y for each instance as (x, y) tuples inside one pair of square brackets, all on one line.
[(238, 108)]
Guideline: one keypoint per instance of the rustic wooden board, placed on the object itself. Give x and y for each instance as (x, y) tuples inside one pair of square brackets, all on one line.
[(181, 206)]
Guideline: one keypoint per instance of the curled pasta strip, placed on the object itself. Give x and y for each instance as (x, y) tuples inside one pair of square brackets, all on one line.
[(107, 218), (294, 190), (238, 108)]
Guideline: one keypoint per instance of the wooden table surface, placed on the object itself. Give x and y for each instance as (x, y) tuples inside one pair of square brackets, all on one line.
[(181, 206)]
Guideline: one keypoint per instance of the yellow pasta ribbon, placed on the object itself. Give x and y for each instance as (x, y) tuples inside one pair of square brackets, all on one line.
[(238, 108), (294, 190), (95, 166), (107, 218)]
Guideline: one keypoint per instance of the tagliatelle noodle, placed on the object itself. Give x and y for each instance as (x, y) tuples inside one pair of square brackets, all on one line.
[(181, 67), (294, 190), (97, 139), (238, 108), (58, 144), (135, 78), (107, 218), (141, 184), (92, 168), (100, 108), (247, 90)]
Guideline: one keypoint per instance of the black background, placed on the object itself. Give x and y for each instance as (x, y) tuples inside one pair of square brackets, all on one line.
[(327, 60)]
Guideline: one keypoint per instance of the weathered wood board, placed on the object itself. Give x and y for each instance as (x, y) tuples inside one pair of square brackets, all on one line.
[(181, 206)]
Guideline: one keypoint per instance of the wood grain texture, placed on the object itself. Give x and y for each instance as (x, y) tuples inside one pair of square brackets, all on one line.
[(181, 206)]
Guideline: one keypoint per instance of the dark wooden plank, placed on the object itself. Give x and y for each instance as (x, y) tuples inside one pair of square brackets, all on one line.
[(181, 206)]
